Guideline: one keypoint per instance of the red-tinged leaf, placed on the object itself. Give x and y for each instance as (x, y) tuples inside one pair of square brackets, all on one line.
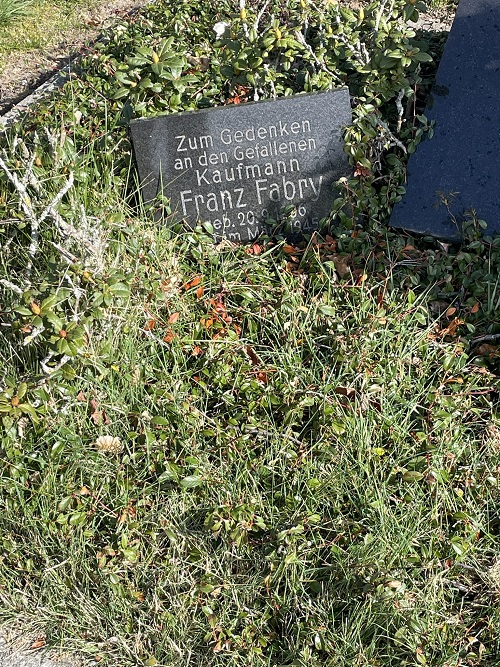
[(81, 397), (289, 249), (169, 337), (348, 392), (196, 351), (362, 171), (253, 356), (486, 350), (38, 643), (451, 329), (150, 325), (262, 377), (451, 311), (475, 308), (192, 283), (173, 318), (200, 291), (207, 322), (257, 249)]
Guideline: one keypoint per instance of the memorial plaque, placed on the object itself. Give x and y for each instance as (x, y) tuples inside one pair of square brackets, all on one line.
[(458, 169), (238, 166)]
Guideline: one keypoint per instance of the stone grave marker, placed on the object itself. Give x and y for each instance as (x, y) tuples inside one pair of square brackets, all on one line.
[(459, 168), (238, 166)]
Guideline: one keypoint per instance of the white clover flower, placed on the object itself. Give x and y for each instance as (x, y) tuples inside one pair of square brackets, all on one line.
[(108, 443), (220, 28)]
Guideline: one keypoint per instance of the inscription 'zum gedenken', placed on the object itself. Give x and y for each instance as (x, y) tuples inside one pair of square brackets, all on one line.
[(266, 142)]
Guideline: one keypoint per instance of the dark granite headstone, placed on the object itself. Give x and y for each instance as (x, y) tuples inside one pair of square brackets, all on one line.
[(459, 168), (238, 166)]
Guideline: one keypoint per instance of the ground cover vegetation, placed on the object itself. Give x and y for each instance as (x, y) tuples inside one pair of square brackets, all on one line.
[(272, 454)]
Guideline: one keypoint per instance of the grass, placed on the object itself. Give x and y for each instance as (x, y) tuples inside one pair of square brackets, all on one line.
[(305, 472), (10, 10), (44, 23), (258, 455)]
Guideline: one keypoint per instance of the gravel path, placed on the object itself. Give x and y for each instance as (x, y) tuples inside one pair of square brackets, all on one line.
[(16, 653)]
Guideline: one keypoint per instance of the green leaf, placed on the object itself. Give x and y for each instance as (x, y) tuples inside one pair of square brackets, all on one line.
[(56, 322), (121, 93), (28, 409), (22, 310), (171, 472), (120, 290), (420, 317), (77, 519), (412, 476), (423, 57), (21, 392), (191, 481)]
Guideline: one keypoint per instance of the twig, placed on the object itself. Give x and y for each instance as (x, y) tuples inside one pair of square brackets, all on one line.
[(11, 286), (394, 139), (302, 40), (49, 370), (482, 339), (399, 107)]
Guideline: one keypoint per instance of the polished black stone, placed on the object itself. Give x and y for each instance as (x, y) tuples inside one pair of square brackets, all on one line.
[(459, 168), (238, 166)]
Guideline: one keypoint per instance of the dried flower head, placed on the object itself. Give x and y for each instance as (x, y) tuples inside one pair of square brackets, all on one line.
[(494, 575), (108, 443)]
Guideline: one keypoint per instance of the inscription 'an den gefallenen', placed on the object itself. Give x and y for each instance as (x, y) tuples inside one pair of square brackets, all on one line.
[(236, 167)]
